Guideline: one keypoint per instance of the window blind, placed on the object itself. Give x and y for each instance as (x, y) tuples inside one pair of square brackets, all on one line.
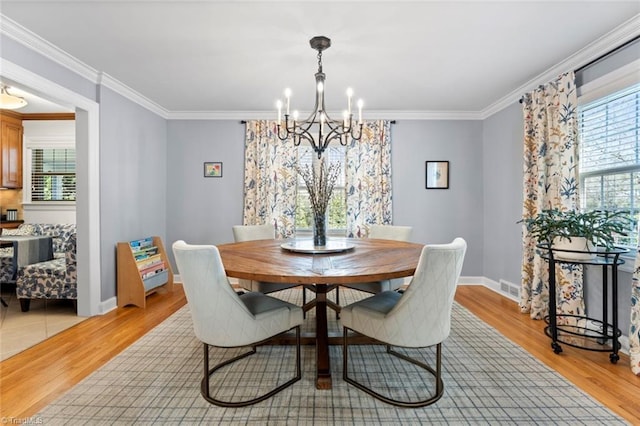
[(53, 174), (609, 130)]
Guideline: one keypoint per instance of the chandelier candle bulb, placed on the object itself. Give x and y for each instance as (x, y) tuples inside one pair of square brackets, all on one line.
[(360, 104), (349, 95)]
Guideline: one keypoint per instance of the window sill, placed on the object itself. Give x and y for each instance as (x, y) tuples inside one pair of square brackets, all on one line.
[(50, 205)]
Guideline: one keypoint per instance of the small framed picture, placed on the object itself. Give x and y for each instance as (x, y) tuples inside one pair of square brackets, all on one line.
[(213, 169), (437, 174)]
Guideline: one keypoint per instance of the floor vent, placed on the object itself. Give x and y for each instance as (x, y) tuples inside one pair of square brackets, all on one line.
[(509, 289), (514, 291)]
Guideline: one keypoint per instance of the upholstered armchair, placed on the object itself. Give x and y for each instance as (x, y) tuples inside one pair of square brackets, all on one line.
[(53, 279), (418, 318), (6, 264), (7, 269), (223, 318)]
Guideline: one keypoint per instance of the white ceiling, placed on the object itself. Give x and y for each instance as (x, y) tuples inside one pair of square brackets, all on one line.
[(401, 57)]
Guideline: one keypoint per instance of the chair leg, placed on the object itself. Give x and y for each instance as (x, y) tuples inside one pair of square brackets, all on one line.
[(437, 373), (25, 304), (205, 388), (304, 301)]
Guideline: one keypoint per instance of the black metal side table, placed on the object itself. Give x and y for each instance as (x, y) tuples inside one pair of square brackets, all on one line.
[(581, 331)]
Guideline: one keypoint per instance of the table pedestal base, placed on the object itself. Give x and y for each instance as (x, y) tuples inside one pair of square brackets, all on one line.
[(321, 339), (323, 363)]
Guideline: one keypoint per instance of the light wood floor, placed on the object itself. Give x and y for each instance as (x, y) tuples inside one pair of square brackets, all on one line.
[(32, 379)]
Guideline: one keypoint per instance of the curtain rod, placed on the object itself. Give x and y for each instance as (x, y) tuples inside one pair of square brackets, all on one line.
[(601, 57), (605, 55), (245, 121)]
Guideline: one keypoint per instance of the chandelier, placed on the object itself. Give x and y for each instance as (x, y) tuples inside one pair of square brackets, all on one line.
[(9, 101), (327, 129)]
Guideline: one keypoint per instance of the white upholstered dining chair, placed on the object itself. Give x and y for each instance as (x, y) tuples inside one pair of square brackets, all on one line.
[(383, 232), (258, 232), (224, 319), (418, 318)]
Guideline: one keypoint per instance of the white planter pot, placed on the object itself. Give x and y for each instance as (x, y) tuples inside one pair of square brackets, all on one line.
[(576, 244)]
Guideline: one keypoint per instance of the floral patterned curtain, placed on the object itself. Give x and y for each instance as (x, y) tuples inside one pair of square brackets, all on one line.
[(634, 327), (550, 181), (270, 178), (368, 178)]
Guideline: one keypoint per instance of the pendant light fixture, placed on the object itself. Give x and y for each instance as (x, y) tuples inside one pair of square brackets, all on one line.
[(9, 101), (319, 122)]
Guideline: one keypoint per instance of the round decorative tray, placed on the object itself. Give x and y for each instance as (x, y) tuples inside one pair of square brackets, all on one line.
[(306, 246)]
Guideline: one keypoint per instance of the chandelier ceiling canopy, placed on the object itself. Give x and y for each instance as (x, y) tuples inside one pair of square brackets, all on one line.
[(325, 128)]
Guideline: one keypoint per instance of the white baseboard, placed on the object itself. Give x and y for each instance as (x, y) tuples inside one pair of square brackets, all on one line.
[(499, 288), (505, 288), (107, 305)]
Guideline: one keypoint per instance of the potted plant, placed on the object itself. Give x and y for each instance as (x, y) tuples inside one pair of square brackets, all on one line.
[(577, 231)]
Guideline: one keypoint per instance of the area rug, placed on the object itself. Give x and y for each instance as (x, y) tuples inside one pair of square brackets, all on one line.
[(488, 381)]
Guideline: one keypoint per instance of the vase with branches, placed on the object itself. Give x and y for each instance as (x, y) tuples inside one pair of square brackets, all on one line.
[(320, 179)]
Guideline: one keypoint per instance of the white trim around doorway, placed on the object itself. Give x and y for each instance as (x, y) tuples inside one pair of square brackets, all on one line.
[(88, 182)]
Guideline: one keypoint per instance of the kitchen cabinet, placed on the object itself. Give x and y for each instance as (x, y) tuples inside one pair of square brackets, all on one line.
[(10, 151)]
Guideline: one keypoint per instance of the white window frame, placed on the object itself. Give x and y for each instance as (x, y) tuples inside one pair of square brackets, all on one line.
[(612, 82), (301, 186), (42, 142)]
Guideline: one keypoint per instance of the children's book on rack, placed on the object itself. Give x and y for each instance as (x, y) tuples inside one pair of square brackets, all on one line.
[(143, 269)]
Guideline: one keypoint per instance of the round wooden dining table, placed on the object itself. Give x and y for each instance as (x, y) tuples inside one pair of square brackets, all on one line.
[(361, 261)]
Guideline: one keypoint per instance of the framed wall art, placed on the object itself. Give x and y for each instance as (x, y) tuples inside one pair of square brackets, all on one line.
[(437, 175), (213, 169)]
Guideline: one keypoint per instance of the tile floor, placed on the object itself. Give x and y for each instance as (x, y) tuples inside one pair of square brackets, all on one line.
[(21, 330)]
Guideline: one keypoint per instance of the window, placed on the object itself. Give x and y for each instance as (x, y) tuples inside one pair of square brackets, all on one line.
[(53, 174), (609, 129), (337, 211)]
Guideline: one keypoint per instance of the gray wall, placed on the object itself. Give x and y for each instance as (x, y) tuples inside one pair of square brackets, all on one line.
[(439, 215), (203, 210), (502, 154), (133, 178)]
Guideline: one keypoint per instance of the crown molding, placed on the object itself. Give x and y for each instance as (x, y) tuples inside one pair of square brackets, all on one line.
[(221, 115), (369, 115), (608, 42), (34, 42), (43, 47), (422, 115), (106, 80)]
